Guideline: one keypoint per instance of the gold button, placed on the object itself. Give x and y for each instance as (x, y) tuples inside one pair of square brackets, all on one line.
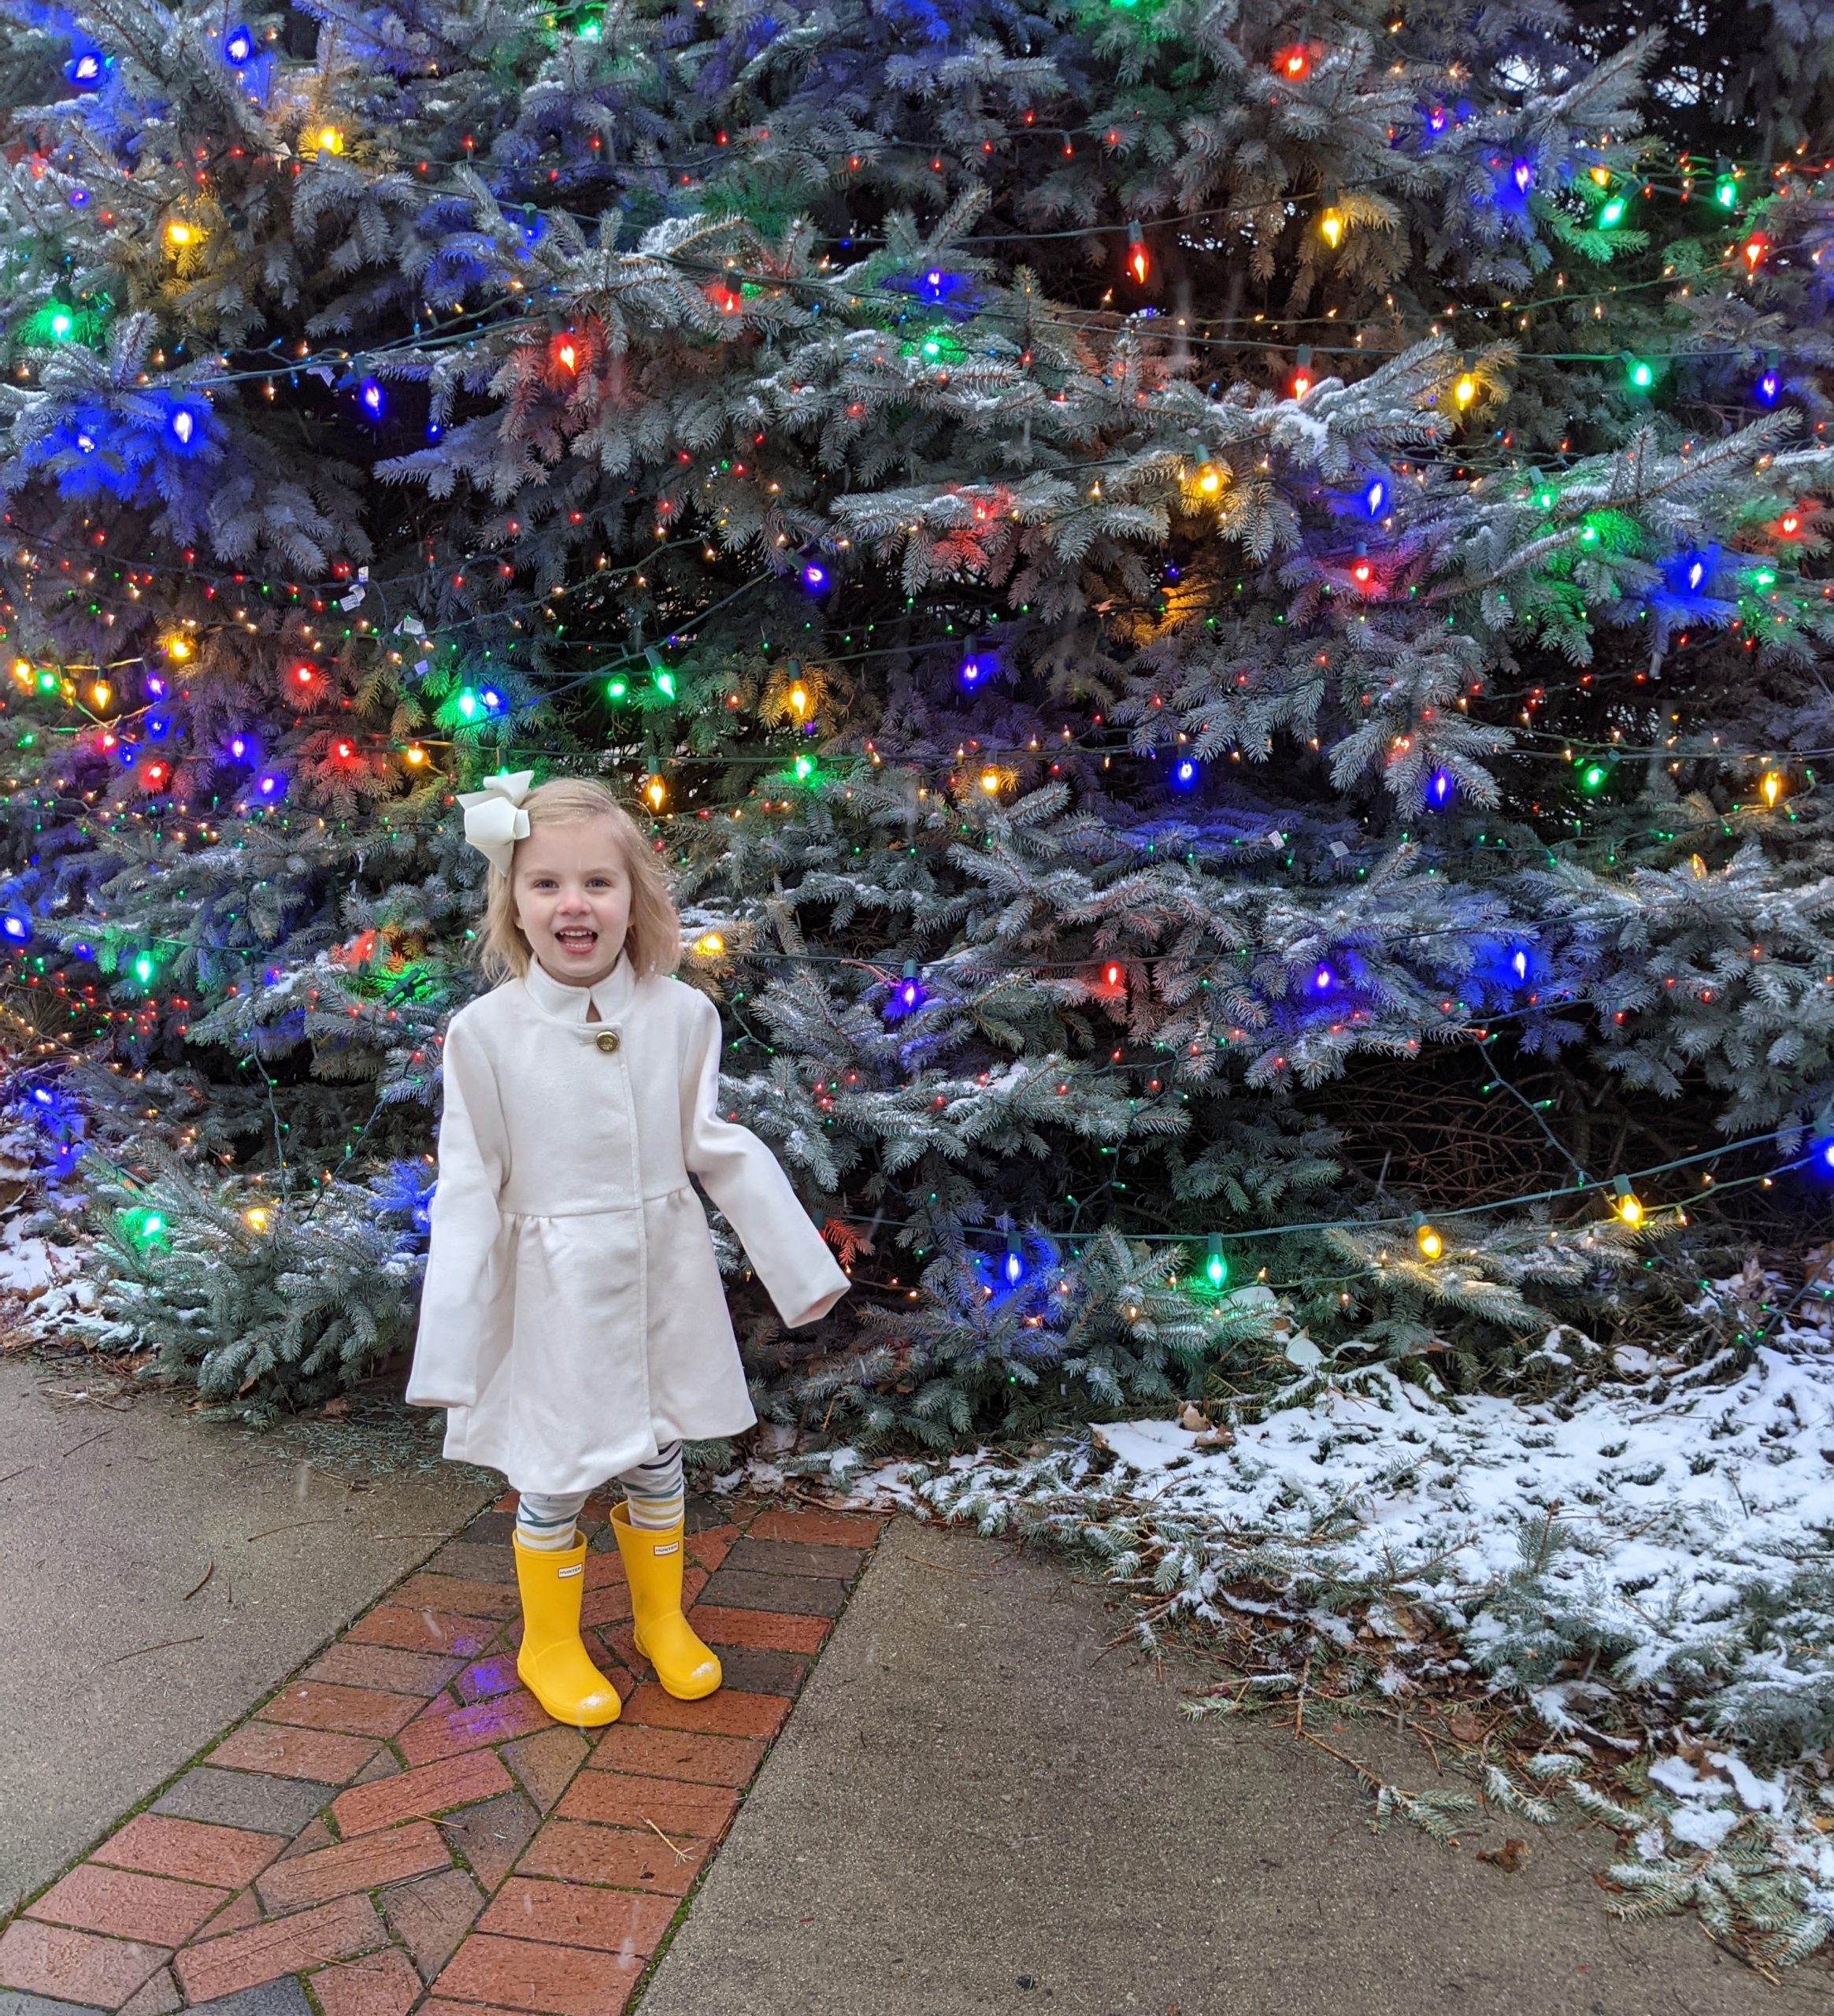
[(606, 1041)]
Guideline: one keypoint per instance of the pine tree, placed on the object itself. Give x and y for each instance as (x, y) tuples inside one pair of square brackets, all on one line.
[(1163, 573)]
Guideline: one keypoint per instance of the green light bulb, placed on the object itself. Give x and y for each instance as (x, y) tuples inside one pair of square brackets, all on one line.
[(468, 704), (1643, 374), (143, 969), (615, 689)]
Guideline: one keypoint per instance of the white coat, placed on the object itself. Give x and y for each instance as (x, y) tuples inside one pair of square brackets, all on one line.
[(573, 1319)]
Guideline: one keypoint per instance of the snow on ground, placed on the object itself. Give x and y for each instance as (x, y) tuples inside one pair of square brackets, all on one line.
[(1671, 1538)]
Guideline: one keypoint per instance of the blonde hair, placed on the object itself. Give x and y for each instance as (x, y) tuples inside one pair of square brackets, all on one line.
[(653, 941)]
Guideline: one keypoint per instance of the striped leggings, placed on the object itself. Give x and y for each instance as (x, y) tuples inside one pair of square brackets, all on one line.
[(653, 1494)]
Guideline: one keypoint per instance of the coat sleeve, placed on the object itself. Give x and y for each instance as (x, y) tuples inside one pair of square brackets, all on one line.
[(746, 1181), (464, 1246)]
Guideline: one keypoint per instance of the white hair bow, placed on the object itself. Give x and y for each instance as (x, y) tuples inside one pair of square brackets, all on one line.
[(494, 818)]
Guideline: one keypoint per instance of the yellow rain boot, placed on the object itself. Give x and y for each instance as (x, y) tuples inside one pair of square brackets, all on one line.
[(653, 1562), (553, 1662)]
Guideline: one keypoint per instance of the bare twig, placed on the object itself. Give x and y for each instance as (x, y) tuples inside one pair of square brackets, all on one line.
[(208, 1572), (161, 1647), (680, 1855), (84, 1444)]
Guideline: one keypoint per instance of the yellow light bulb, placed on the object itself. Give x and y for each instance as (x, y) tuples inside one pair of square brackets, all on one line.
[(1699, 867), (1602, 177), (257, 1216), (1465, 391), (177, 648), (799, 698), (180, 233), (101, 693), (990, 781), (1772, 788), (655, 789), (22, 671), (1629, 1210), (1430, 1243), (710, 944), (331, 140), (415, 753), (1330, 228), (1210, 480)]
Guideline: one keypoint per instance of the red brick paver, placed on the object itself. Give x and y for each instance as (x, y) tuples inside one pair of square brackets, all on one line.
[(768, 1630), (447, 1732), (474, 1859), (423, 1630), (383, 1984), (726, 1712), (416, 1794), (557, 1981), (624, 1921), (365, 1863), (317, 1704), (281, 1946), (285, 1753), (617, 1799), (816, 1529), (74, 1966), (153, 1908), (191, 1849)]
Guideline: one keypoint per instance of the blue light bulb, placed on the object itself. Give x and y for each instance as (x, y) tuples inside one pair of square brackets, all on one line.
[(1375, 497), (237, 47), (369, 397), (1322, 978), (1439, 789), (814, 576)]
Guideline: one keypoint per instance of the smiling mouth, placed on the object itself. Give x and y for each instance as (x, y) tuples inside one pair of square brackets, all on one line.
[(576, 940)]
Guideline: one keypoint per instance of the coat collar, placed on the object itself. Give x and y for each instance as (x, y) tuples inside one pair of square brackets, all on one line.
[(567, 1004)]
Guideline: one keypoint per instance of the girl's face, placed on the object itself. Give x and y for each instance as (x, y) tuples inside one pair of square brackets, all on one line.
[(572, 898)]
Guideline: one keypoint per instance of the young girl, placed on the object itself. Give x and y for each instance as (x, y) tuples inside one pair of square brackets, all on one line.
[(573, 1325)]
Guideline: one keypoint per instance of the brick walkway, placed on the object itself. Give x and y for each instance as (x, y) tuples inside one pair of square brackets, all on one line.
[(401, 1824)]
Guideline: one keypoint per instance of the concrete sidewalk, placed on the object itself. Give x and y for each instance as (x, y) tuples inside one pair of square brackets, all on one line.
[(973, 1810), (115, 1665)]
